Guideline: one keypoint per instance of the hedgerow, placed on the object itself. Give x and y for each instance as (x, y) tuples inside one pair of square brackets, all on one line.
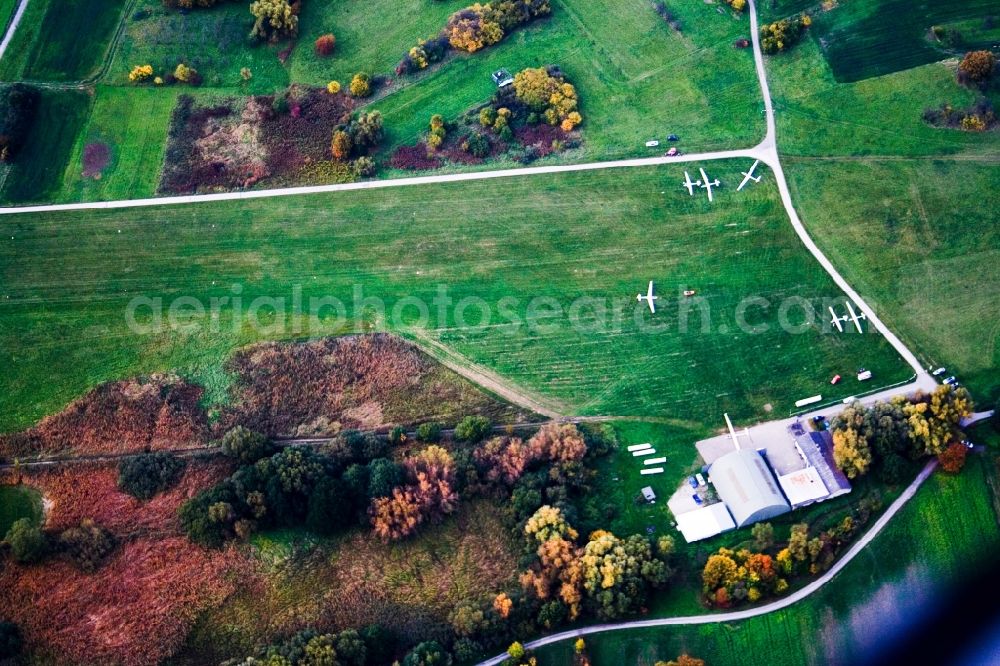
[(473, 28)]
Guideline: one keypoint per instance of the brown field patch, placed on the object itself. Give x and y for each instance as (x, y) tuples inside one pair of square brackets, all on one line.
[(156, 412), (81, 491), (135, 610), (364, 382)]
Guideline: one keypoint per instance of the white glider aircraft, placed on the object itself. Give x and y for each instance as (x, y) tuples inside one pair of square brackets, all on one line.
[(748, 176), (690, 184), (708, 184), (649, 297)]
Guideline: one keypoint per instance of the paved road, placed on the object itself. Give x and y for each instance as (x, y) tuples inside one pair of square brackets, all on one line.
[(711, 618), (12, 27), (751, 153), (767, 152)]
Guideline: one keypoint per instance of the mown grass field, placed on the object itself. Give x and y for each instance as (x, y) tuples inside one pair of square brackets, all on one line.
[(62, 40), (37, 174), (903, 209), (870, 38), (922, 241), (941, 535), (68, 278)]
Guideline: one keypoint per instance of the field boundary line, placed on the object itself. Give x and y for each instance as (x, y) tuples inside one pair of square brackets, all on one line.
[(483, 377)]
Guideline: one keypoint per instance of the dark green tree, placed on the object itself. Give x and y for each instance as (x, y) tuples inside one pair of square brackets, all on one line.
[(245, 446), (473, 429), (145, 475), (28, 544)]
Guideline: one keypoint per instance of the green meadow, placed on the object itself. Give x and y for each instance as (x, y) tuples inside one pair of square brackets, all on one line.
[(542, 243)]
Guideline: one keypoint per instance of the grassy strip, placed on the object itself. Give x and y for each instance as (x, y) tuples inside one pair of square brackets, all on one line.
[(61, 41), (132, 123), (37, 174)]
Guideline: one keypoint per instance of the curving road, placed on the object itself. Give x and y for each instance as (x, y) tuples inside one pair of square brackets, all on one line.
[(767, 152), (733, 616)]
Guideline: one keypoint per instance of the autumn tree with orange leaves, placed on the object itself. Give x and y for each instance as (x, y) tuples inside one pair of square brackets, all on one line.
[(428, 495)]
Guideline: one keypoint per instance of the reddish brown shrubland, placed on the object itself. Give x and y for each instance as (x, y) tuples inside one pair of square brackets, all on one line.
[(364, 382), (232, 145), (134, 610), (158, 412), (80, 491)]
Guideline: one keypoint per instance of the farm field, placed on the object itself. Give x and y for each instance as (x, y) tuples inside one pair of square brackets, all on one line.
[(62, 40), (871, 38), (37, 175), (926, 546), (818, 116), (923, 244), (559, 238)]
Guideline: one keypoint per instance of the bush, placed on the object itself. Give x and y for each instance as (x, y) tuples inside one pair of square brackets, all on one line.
[(341, 145), (397, 435), (476, 145), (363, 167), (325, 44), (782, 35), (141, 73), (473, 429), (361, 85), (10, 640), (28, 543), (18, 103), (429, 432), (333, 87), (87, 545), (186, 74), (145, 475), (952, 459), (977, 66), (245, 445), (438, 131), (273, 19), (428, 653)]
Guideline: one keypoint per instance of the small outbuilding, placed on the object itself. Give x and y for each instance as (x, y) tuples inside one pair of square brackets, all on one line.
[(648, 494), (502, 78), (705, 522), (747, 486)]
